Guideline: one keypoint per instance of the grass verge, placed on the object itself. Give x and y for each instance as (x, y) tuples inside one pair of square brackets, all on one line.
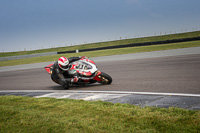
[(109, 43), (26, 114), (103, 53)]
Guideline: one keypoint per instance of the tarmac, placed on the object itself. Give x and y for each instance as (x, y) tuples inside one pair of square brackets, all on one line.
[(143, 99)]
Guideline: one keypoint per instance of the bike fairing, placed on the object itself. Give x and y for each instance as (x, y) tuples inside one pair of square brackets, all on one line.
[(83, 68)]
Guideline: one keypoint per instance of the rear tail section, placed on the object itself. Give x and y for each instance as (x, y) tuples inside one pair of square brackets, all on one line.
[(49, 68)]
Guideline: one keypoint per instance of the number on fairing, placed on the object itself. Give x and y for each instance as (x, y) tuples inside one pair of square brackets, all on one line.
[(84, 66)]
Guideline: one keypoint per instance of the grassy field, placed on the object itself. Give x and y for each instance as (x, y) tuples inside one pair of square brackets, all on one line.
[(25, 114), (103, 53), (109, 43)]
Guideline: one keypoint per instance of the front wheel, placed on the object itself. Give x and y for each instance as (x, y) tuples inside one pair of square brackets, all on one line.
[(105, 78)]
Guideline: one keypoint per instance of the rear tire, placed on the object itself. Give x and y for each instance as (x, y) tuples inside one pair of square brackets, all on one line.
[(106, 79), (54, 80), (66, 86)]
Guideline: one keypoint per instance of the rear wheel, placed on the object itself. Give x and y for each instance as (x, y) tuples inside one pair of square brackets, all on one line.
[(56, 81), (106, 79), (66, 86)]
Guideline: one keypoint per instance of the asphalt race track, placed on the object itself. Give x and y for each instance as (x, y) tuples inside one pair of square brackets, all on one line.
[(171, 74), (168, 78)]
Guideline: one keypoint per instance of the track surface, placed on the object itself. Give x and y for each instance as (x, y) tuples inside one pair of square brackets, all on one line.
[(174, 74)]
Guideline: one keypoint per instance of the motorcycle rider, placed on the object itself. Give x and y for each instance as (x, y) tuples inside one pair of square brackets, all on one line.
[(60, 72)]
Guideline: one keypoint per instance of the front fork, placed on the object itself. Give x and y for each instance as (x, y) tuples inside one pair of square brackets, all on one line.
[(100, 78)]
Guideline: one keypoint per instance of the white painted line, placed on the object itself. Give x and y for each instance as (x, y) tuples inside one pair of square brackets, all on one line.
[(104, 96), (145, 93), (46, 95), (65, 96), (106, 92)]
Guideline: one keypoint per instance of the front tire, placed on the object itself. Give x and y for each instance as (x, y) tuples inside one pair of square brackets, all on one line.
[(106, 79)]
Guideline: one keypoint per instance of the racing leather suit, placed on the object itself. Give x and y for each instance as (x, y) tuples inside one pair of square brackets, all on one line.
[(63, 77)]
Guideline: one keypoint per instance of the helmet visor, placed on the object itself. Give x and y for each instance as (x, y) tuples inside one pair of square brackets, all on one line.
[(65, 67)]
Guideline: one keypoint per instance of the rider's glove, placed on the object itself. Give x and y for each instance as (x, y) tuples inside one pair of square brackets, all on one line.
[(74, 80)]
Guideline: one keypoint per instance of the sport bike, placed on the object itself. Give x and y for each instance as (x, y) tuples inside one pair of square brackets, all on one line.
[(87, 70)]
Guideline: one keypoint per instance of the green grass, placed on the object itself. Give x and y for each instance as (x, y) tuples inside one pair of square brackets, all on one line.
[(103, 53), (110, 43), (25, 114)]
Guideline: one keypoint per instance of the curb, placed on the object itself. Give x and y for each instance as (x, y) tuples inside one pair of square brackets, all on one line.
[(143, 99)]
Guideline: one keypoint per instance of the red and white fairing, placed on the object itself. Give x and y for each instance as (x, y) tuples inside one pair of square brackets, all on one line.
[(86, 68)]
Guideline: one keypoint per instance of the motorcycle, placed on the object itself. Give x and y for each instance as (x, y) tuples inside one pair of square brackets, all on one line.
[(87, 71)]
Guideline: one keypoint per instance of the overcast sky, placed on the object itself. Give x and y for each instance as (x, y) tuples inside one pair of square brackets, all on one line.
[(35, 24)]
